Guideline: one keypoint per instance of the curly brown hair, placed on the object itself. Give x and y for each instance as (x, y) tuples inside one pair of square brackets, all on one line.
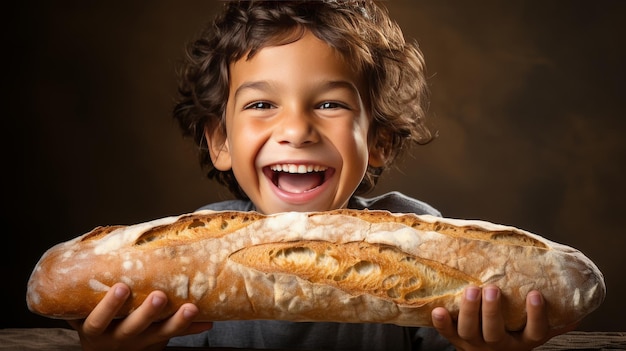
[(361, 31)]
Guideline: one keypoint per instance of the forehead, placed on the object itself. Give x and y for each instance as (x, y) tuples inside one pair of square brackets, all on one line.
[(307, 58)]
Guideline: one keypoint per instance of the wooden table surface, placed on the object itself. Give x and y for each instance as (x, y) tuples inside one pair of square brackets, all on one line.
[(60, 339)]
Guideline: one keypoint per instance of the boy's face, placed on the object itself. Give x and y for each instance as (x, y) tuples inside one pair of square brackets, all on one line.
[(296, 128)]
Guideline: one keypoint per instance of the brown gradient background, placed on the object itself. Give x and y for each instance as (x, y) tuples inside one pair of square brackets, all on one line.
[(527, 96)]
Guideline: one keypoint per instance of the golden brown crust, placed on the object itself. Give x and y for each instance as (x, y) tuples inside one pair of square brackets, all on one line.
[(189, 228), (343, 265)]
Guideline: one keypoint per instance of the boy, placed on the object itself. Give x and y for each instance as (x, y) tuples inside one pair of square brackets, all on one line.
[(299, 106)]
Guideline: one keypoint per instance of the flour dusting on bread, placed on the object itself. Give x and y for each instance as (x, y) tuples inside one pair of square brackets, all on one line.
[(344, 266)]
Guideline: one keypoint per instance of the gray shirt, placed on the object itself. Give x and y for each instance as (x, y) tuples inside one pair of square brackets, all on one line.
[(322, 336)]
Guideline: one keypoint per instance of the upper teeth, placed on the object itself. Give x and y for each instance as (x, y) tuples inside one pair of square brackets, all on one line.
[(292, 168)]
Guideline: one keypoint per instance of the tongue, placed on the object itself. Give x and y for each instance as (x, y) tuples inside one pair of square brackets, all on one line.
[(298, 183)]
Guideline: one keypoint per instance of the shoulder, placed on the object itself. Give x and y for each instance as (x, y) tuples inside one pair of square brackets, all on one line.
[(395, 202), (229, 205)]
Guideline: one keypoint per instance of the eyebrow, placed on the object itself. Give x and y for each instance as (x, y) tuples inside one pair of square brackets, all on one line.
[(341, 84), (254, 85), (263, 85)]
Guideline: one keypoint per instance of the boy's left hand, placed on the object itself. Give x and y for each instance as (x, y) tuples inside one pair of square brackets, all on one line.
[(483, 328)]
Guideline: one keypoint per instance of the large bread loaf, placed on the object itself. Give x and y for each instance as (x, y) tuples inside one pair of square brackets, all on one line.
[(343, 265)]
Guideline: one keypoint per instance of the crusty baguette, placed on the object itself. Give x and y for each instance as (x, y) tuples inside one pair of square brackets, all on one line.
[(343, 265)]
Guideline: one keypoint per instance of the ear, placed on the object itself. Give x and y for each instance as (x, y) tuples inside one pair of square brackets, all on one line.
[(377, 157), (218, 148)]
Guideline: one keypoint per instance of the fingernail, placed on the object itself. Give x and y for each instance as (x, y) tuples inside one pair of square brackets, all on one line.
[(157, 301), (121, 292), (535, 299), (189, 313), (472, 293), (491, 294), (438, 315)]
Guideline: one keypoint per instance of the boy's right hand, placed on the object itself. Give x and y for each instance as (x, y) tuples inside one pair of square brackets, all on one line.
[(139, 330)]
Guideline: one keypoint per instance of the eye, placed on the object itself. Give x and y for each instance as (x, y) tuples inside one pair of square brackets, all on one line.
[(330, 105), (258, 105)]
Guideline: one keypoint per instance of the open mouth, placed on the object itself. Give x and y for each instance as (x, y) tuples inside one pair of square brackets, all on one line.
[(298, 178)]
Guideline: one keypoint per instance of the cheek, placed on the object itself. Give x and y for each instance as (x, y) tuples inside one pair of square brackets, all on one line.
[(361, 136), (354, 147), (245, 136), (248, 141)]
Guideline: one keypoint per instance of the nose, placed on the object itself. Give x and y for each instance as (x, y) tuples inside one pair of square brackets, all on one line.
[(296, 128)]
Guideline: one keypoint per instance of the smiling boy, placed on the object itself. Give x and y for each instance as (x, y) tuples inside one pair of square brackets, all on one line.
[(299, 106), (296, 128)]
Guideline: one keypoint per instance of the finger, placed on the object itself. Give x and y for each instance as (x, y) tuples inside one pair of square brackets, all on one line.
[(537, 326), (181, 323), (442, 321), (143, 316), (468, 326), (492, 317), (106, 310)]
